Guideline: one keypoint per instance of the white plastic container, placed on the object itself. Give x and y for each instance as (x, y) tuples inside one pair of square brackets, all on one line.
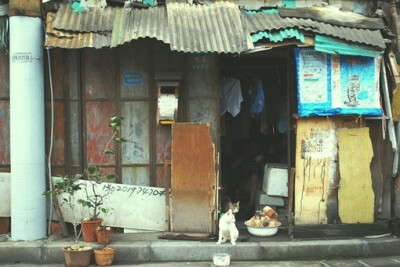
[(222, 259)]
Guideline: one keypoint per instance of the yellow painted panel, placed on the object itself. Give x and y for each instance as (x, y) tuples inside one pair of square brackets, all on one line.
[(356, 197), (396, 103), (316, 153)]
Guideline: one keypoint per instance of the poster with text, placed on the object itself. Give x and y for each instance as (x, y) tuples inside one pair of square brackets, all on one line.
[(337, 84), (355, 84)]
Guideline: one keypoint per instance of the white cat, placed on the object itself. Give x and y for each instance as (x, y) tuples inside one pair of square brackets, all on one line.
[(227, 228)]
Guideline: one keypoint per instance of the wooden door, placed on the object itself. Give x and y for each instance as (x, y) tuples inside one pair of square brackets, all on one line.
[(193, 205)]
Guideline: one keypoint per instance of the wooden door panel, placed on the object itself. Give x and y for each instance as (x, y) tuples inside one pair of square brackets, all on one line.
[(193, 178)]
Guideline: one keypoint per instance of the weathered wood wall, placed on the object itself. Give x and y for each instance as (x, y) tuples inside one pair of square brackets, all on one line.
[(318, 179)]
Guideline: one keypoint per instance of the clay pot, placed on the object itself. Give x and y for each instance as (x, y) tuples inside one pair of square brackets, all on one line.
[(77, 258), (89, 230), (103, 236), (105, 256)]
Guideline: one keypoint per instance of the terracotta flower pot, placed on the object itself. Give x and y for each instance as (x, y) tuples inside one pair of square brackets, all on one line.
[(103, 236), (105, 256), (77, 258), (89, 230)]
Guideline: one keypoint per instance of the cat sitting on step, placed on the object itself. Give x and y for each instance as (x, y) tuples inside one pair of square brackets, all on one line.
[(229, 205), (227, 228)]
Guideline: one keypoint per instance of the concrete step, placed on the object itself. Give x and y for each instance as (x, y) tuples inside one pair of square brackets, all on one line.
[(147, 247)]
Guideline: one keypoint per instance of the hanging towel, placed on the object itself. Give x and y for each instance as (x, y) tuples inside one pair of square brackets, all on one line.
[(230, 96), (257, 98)]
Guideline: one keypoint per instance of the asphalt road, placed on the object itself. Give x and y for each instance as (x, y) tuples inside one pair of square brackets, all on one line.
[(373, 262)]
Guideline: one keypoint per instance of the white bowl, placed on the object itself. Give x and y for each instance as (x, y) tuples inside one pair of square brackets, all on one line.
[(262, 231), (221, 259)]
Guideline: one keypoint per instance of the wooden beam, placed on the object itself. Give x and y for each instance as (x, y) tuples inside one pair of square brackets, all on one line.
[(31, 8)]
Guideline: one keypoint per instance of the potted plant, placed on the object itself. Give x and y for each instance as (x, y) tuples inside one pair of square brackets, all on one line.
[(104, 256), (65, 189), (94, 198)]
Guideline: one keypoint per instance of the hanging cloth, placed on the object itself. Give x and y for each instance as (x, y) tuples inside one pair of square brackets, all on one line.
[(230, 96), (257, 98)]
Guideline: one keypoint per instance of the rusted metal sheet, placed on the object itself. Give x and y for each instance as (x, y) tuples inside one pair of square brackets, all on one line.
[(192, 179), (4, 75), (134, 63), (136, 176), (4, 132), (132, 24), (202, 75), (205, 110), (163, 143), (99, 74), (202, 28), (73, 40), (273, 21), (93, 19), (98, 133), (136, 131), (58, 132)]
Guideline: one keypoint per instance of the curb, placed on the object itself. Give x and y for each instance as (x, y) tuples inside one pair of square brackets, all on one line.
[(50, 251)]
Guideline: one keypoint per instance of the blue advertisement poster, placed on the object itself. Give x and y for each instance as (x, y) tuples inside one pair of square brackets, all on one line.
[(336, 84)]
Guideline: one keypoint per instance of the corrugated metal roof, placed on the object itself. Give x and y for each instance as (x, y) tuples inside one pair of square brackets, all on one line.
[(335, 46), (278, 36), (63, 39), (132, 24), (334, 16), (200, 28), (270, 22), (91, 20)]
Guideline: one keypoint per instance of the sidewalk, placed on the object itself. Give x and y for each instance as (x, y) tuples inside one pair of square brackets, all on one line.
[(147, 247)]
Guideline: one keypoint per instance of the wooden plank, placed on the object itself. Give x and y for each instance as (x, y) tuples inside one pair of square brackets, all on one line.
[(356, 197), (98, 115), (99, 74), (387, 163), (316, 155), (167, 226), (4, 75), (192, 178), (136, 130), (376, 164)]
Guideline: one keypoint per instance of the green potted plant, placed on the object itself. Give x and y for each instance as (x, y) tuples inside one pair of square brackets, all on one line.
[(65, 189), (93, 197)]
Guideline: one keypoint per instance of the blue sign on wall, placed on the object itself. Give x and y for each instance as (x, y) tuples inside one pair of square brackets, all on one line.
[(132, 78)]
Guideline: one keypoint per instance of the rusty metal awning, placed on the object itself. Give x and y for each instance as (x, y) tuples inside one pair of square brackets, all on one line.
[(200, 28), (217, 28), (92, 19), (73, 40), (274, 22)]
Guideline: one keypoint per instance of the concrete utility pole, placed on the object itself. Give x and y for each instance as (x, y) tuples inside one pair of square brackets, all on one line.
[(28, 205)]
